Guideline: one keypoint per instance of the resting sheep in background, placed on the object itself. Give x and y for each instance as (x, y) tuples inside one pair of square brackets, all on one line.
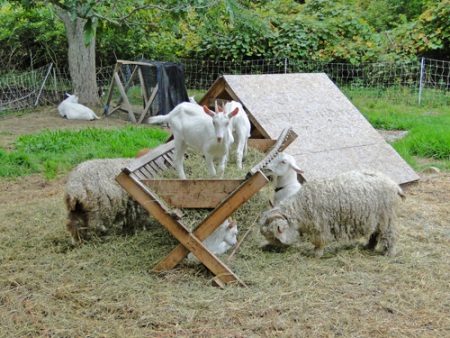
[(347, 207), (72, 110), (201, 129), (222, 239), (285, 169), (97, 204), (240, 127)]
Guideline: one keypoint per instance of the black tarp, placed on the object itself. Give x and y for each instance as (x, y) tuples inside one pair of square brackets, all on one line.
[(170, 79)]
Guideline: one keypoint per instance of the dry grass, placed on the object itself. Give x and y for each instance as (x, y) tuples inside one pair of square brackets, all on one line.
[(103, 288)]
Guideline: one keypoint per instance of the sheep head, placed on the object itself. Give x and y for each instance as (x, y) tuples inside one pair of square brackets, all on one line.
[(274, 226)]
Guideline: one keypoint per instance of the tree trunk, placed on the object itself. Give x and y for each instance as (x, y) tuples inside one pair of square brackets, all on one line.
[(81, 59)]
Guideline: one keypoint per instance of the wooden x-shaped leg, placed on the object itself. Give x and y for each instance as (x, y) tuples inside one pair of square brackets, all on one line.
[(192, 241)]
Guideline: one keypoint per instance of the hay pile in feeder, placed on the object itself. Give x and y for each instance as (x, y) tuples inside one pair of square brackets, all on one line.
[(195, 168)]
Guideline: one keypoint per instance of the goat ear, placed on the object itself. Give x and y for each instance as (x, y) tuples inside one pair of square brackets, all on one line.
[(233, 113), (296, 169), (232, 224), (208, 111)]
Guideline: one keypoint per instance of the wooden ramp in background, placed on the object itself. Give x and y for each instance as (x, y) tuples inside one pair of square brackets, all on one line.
[(333, 136)]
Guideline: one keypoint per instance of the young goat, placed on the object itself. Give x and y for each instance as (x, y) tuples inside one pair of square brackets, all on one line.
[(72, 110), (240, 126), (285, 169), (222, 239), (349, 206), (201, 129)]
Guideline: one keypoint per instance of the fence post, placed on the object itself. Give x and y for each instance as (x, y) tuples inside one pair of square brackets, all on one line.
[(285, 65), (43, 84), (422, 72)]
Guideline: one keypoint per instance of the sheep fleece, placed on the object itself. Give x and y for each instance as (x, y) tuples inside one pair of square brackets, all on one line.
[(97, 204), (346, 207)]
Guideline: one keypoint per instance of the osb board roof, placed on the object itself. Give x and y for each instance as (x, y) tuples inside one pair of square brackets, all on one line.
[(333, 136)]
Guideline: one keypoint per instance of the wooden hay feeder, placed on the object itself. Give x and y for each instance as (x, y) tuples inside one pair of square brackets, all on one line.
[(222, 196)]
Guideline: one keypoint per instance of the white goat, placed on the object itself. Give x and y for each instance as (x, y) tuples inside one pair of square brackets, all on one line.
[(201, 129), (284, 168), (222, 239), (346, 207), (240, 126), (72, 110)]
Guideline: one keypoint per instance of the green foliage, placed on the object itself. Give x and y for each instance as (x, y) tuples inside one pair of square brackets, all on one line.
[(57, 152)]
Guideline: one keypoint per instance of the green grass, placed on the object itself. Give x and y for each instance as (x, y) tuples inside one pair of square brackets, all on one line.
[(429, 129), (57, 152)]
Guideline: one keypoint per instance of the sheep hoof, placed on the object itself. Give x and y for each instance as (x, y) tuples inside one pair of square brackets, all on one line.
[(318, 252)]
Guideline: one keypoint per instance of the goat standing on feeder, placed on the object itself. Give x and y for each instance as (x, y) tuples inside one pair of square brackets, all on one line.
[(201, 129), (240, 126), (284, 168)]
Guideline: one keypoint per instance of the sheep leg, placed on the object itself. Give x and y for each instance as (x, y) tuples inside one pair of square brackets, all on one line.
[(388, 239), (319, 246), (373, 241)]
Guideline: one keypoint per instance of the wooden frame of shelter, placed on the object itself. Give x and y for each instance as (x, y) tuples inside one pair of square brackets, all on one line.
[(137, 71), (223, 196)]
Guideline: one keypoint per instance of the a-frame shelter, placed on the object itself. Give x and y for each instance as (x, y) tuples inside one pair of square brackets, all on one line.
[(333, 136)]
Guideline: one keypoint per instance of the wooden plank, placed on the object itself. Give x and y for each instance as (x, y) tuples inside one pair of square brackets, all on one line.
[(234, 201), (213, 92), (125, 98), (110, 92), (262, 145), (199, 193), (151, 203), (148, 103), (151, 155), (140, 63)]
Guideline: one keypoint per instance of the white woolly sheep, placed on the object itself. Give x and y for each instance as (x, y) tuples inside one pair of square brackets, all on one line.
[(284, 168), (346, 207), (97, 204), (201, 129), (240, 126), (222, 239), (72, 110)]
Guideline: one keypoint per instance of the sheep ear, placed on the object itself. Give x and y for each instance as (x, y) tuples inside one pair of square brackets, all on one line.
[(208, 111), (281, 228)]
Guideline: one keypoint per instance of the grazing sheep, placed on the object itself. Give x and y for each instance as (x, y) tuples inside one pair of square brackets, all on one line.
[(97, 204), (72, 110), (222, 239), (347, 207), (201, 129), (285, 169), (240, 126)]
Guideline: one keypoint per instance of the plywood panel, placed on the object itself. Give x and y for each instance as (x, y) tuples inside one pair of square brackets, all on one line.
[(333, 136)]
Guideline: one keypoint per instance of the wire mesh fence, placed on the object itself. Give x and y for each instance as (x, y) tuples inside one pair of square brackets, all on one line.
[(424, 82)]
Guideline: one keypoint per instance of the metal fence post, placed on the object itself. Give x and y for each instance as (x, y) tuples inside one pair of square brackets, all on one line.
[(422, 72)]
